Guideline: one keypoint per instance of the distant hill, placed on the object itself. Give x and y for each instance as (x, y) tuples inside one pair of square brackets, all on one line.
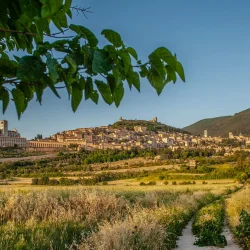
[(151, 126), (221, 126)]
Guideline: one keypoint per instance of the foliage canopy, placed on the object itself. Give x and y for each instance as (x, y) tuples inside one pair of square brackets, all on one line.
[(83, 68)]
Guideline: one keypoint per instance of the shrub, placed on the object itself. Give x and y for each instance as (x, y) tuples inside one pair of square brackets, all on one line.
[(142, 183), (208, 225), (186, 183), (105, 183), (204, 182), (43, 181), (165, 183), (151, 183), (243, 229), (174, 183), (53, 182), (161, 177), (34, 181)]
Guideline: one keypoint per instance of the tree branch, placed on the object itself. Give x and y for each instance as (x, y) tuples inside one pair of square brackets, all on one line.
[(53, 36), (11, 81), (60, 87), (34, 34), (57, 33), (139, 65), (103, 75), (18, 32), (83, 10)]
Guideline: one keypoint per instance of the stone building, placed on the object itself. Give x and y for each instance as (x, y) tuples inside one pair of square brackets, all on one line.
[(10, 138)]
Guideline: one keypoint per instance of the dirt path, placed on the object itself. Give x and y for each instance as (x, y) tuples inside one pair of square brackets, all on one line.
[(187, 240)]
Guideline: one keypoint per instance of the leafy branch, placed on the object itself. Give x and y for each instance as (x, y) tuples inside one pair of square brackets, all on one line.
[(82, 62)]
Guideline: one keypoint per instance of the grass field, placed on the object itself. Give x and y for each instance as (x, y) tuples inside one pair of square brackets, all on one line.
[(102, 217), (238, 214), (118, 214)]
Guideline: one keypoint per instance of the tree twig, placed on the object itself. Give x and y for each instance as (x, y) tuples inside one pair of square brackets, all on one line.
[(103, 75), (18, 32), (60, 87), (53, 36), (83, 10), (11, 81), (57, 33), (34, 34)]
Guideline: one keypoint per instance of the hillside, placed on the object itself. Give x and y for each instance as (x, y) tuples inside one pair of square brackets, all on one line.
[(151, 126), (221, 126)]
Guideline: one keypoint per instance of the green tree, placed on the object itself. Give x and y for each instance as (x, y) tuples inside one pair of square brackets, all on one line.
[(38, 137), (83, 68)]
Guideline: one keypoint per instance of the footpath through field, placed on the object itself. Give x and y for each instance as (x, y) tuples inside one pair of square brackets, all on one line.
[(186, 241)]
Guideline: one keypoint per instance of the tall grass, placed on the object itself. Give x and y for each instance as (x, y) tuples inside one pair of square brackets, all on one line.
[(53, 218), (238, 214), (89, 218), (155, 223)]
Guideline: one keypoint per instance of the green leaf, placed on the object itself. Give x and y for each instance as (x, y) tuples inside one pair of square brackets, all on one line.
[(31, 68), (52, 66), (132, 52), (50, 7), (50, 83), (180, 71), (144, 71), (39, 88), (163, 53), (76, 96), (100, 63), (27, 90), (105, 91), (66, 81), (62, 19), (69, 13), (166, 56), (171, 76), (94, 96), (111, 50), (70, 59), (111, 82), (82, 83), (85, 33), (4, 96), (118, 94), (133, 78), (88, 88), (155, 80), (67, 5), (157, 65), (18, 98), (113, 37), (126, 61), (2, 47), (17, 58)]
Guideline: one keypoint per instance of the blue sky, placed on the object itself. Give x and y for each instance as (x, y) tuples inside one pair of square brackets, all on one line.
[(211, 39)]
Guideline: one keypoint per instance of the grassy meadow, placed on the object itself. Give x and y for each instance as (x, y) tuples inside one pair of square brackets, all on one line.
[(104, 217), (143, 206)]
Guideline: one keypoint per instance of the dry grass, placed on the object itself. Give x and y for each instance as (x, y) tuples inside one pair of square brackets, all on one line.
[(238, 202), (104, 217), (154, 223)]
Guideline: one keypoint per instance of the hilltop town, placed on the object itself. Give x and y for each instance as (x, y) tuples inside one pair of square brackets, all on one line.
[(124, 136)]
